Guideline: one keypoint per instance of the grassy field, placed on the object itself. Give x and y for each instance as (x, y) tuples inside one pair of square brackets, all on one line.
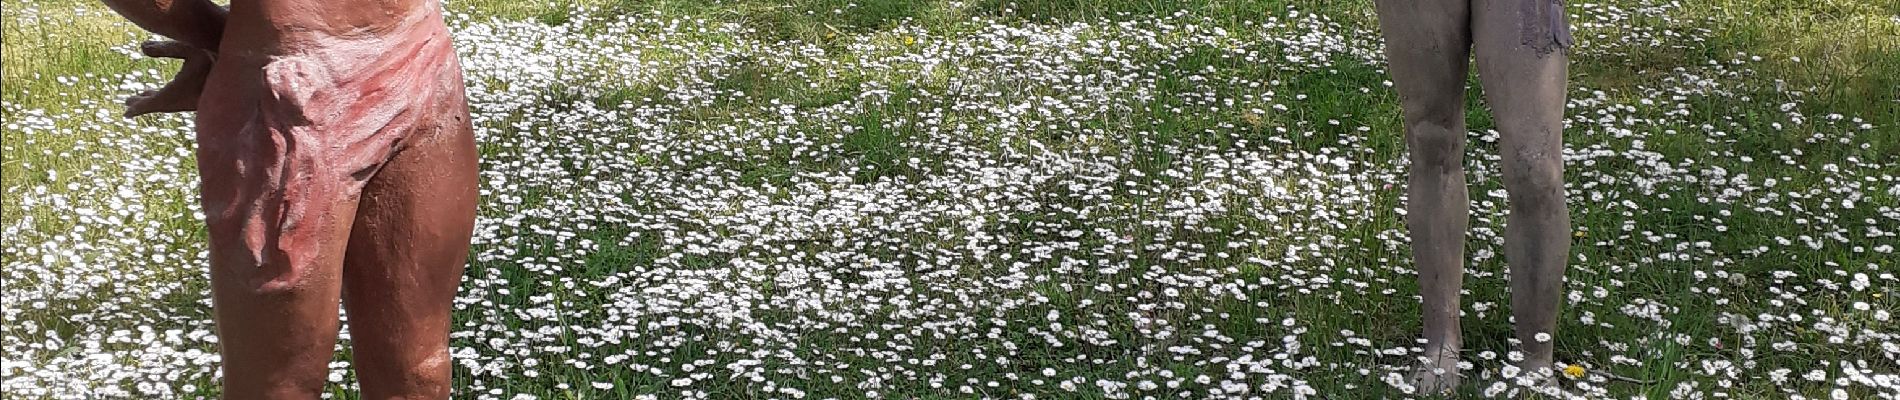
[(1052, 199)]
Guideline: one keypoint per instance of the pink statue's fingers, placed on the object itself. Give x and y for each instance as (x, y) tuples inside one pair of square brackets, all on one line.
[(181, 94), (149, 108), (138, 104), (166, 49), (157, 101)]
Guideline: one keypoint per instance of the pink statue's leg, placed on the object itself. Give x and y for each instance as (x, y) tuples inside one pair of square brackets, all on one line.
[(277, 340), (406, 256), (1520, 49), (1428, 48), (275, 276)]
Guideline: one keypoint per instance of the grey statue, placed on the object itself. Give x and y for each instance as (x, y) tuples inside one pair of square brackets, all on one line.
[(1520, 47)]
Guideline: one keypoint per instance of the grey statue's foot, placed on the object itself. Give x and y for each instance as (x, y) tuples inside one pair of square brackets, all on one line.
[(1437, 373), (1540, 377)]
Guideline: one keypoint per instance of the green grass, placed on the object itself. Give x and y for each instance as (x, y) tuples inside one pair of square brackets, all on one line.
[(1849, 53)]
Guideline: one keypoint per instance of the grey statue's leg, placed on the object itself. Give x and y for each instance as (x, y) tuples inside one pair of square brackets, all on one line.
[(1521, 62), (1428, 48)]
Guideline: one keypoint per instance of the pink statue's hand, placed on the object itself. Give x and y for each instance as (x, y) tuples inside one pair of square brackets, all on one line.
[(182, 93)]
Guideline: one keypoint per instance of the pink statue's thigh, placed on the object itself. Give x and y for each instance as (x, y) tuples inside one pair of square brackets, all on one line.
[(275, 279), (406, 256)]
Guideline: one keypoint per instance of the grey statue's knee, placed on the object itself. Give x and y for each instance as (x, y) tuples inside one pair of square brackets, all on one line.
[(1537, 187), (1436, 111), (1437, 149)]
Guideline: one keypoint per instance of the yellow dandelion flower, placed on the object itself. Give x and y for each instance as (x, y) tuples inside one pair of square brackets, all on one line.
[(1574, 371), (910, 40)]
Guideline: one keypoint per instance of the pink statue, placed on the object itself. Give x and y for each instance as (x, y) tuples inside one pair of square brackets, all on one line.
[(338, 162)]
